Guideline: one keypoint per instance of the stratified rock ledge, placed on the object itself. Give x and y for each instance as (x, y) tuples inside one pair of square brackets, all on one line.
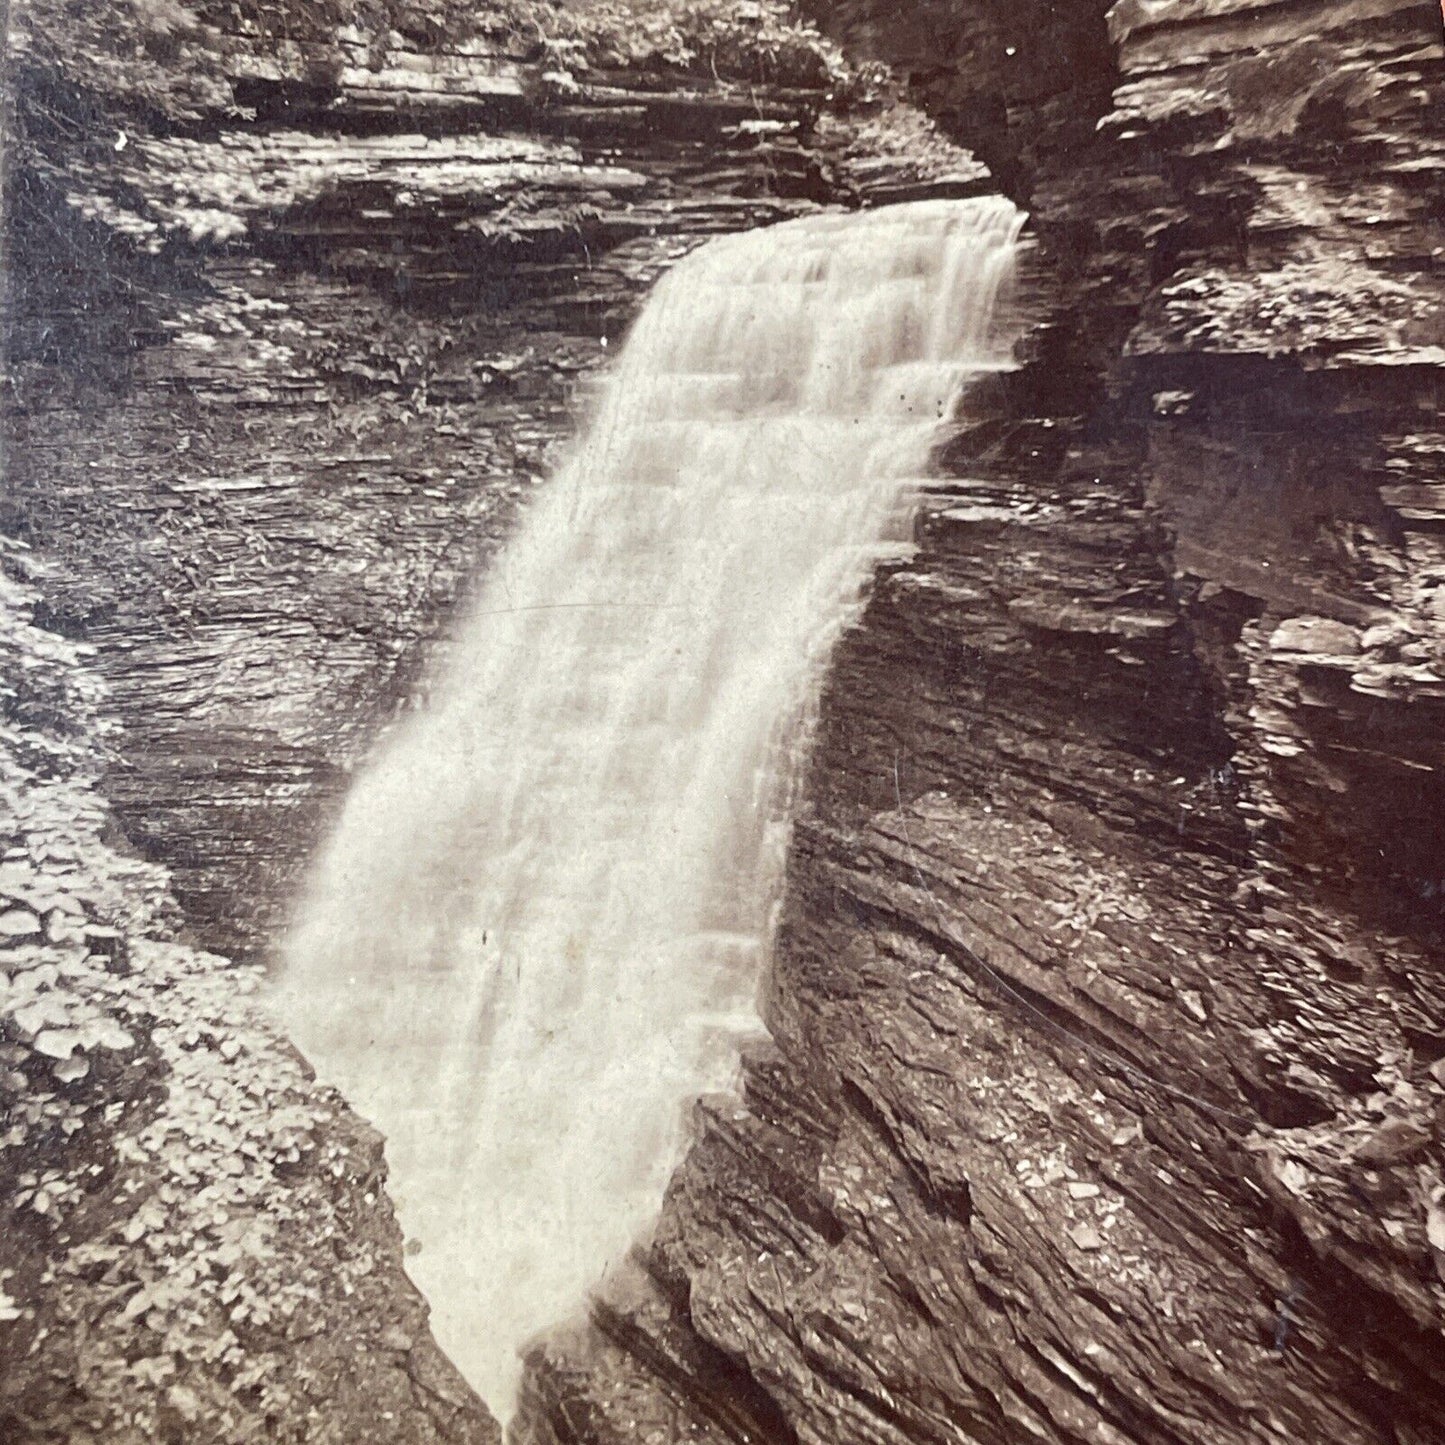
[(1108, 1085)]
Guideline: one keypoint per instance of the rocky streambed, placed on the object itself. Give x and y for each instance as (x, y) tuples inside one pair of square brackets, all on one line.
[(1105, 1100)]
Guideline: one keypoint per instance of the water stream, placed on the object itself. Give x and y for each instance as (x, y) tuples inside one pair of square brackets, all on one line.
[(540, 926)]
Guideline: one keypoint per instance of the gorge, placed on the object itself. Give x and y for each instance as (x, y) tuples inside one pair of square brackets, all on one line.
[(1101, 1098)]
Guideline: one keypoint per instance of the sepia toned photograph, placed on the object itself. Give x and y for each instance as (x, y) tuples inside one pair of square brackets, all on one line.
[(722, 722)]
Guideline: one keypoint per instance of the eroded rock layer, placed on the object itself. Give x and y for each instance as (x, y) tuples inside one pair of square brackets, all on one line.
[(1106, 1101)]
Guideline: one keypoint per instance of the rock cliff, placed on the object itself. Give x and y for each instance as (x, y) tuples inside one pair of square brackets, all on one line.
[(1106, 1101), (1106, 1095), (298, 312)]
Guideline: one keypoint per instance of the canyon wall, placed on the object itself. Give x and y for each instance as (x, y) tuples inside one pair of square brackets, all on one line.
[(1106, 1095), (300, 309), (1106, 1102)]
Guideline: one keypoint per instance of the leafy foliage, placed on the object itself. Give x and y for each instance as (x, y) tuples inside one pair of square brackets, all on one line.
[(756, 41), (176, 58), (181, 1208)]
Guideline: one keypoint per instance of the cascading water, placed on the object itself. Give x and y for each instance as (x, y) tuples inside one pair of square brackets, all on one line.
[(540, 926)]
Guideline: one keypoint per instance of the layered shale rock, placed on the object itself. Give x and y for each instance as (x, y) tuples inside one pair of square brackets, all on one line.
[(1106, 1089), (1106, 1098), (298, 315)]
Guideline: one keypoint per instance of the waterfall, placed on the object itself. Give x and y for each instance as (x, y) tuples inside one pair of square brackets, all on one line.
[(540, 926)]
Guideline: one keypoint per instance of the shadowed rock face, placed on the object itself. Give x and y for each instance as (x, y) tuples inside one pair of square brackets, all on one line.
[(278, 385), (1106, 1098), (1105, 1101)]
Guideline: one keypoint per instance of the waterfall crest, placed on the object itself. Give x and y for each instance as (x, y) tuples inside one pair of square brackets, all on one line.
[(540, 925)]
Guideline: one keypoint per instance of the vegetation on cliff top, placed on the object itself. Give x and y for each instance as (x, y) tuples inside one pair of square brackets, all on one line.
[(177, 58)]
